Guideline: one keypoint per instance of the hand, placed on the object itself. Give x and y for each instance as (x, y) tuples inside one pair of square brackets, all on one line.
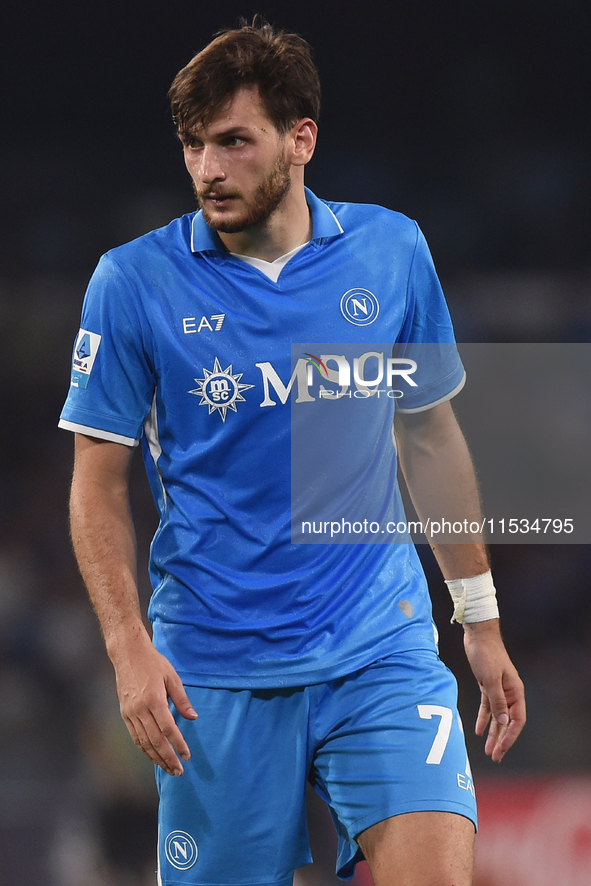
[(502, 696), (145, 682)]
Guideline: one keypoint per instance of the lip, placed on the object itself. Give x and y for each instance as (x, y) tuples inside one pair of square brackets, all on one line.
[(219, 199)]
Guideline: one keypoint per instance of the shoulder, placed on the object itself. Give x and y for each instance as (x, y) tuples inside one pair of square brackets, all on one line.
[(373, 230), (166, 243), (376, 217), (141, 265)]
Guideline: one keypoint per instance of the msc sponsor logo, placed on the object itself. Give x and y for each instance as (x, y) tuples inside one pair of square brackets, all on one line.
[(360, 307), (369, 370), (181, 850), (220, 390)]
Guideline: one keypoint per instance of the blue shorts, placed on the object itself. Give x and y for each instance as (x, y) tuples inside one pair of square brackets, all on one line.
[(383, 741)]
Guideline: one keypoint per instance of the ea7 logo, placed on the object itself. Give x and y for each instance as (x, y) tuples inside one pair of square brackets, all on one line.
[(214, 324)]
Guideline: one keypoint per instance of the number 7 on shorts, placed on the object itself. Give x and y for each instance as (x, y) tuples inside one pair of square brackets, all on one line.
[(426, 712)]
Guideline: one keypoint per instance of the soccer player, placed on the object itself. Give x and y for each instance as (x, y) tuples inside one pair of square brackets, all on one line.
[(273, 662)]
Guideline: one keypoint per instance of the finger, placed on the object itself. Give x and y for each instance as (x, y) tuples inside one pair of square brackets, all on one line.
[(502, 737), (145, 744), (514, 696), (493, 746), (145, 724), (499, 712), (518, 718), (177, 694), (161, 744), (498, 704), (132, 732), (483, 715), (509, 737), (180, 699), (171, 732)]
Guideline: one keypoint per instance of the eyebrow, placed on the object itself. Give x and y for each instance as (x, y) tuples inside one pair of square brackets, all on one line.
[(224, 133), (234, 130)]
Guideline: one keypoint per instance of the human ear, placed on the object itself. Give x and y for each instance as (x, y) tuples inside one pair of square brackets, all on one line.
[(302, 140)]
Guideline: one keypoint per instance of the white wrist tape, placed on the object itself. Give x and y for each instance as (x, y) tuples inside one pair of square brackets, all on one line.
[(474, 598)]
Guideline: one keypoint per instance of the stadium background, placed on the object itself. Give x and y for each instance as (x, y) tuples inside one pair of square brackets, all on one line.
[(472, 118)]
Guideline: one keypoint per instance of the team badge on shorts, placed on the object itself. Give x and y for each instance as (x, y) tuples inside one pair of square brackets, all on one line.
[(360, 307), (181, 850), (220, 389)]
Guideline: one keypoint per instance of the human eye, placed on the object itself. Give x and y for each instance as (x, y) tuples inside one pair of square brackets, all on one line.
[(190, 141), (235, 141)]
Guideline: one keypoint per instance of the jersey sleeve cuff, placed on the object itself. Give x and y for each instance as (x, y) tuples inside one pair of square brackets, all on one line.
[(97, 432), (443, 399)]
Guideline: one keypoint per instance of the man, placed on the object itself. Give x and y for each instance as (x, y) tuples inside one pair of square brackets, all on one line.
[(299, 660)]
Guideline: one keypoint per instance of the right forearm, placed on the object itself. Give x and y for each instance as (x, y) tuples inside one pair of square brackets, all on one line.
[(104, 542)]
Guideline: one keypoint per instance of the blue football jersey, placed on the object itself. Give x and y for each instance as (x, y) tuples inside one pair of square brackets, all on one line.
[(227, 378)]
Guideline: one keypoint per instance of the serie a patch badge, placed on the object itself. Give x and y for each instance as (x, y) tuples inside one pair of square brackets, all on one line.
[(85, 351)]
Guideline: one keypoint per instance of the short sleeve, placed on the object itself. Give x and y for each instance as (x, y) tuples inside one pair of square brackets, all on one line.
[(112, 381), (427, 337)]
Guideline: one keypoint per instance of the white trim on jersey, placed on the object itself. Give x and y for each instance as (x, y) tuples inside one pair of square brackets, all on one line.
[(153, 440), (444, 399), (271, 269), (158, 874), (341, 229), (97, 432)]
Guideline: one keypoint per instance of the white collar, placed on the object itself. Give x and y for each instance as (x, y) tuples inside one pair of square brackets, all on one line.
[(271, 269)]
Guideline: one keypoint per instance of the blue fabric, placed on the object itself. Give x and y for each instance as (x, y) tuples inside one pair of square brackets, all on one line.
[(237, 815), (195, 359)]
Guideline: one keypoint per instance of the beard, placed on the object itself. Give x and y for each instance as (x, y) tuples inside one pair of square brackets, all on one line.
[(264, 202)]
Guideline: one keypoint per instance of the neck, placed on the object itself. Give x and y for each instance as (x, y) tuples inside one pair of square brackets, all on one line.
[(289, 226)]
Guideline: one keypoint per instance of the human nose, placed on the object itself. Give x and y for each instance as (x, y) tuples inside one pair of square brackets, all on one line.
[(210, 168)]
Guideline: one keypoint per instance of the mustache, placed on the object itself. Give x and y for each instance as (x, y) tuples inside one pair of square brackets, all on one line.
[(202, 194), (214, 191)]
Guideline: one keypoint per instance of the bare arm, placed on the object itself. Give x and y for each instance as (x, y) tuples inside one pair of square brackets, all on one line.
[(440, 477), (438, 471), (104, 543)]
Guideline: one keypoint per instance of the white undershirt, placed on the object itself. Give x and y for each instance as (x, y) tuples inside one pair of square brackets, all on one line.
[(271, 269)]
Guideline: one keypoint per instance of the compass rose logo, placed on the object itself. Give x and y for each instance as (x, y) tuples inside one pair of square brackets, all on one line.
[(220, 389)]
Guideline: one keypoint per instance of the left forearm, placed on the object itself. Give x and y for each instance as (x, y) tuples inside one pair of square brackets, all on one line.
[(442, 484), (461, 560)]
